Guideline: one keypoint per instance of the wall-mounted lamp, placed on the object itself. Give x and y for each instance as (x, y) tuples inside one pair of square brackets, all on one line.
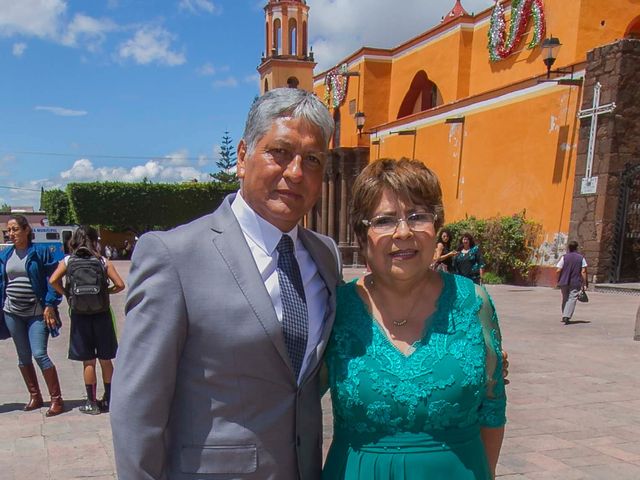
[(550, 48), (360, 120)]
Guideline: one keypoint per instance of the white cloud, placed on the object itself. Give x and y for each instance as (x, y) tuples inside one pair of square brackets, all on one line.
[(178, 159), (38, 18), (226, 83), (47, 19), (87, 31), (6, 163), (340, 27), (18, 49), (197, 6), (151, 45), (83, 170), (61, 111), (207, 70)]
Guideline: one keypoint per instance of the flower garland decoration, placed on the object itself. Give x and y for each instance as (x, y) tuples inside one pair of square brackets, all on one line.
[(502, 45), (336, 83)]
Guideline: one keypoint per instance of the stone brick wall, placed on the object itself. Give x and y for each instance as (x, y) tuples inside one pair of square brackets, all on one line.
[(593, 217)]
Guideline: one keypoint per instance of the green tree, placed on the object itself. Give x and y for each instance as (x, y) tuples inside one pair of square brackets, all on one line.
[(55, 204), (5, 208), (226, 174)]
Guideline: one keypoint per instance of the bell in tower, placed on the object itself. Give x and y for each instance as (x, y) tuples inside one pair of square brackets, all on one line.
[(287, 61)]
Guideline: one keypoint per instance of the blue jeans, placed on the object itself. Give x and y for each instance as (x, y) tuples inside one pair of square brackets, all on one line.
[(30, 336)]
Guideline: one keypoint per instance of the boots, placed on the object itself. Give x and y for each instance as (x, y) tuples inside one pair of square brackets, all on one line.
[(31, 381), (57, 405)]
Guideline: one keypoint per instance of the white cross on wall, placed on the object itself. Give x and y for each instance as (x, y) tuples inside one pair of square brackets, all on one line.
[(589, 183)]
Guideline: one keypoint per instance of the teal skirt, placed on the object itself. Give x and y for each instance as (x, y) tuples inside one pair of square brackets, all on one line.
[(449, 455)]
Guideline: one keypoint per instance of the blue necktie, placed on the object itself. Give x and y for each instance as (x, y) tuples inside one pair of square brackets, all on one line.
[(295, 319)]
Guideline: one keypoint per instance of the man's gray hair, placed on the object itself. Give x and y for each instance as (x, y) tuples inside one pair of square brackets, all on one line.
[(286, 102)]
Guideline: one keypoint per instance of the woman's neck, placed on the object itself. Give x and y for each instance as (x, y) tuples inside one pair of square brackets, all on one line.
[(21, 246), (399, 288)]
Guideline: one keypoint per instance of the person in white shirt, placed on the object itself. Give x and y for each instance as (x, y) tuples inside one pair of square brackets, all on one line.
[(217, 375)]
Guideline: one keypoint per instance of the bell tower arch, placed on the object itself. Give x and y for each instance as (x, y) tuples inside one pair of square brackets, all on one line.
[(287, 60)]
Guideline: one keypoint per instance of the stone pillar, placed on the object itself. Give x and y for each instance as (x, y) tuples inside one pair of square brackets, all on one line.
[(344, 202), (324, 210), (331, 193), (594, 217)]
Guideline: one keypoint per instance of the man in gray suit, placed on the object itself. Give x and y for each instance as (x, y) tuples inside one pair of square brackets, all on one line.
[(217, 376)]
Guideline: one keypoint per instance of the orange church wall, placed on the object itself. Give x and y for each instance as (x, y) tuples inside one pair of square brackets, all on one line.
[(438, 59), (616, 15), (532, 171)]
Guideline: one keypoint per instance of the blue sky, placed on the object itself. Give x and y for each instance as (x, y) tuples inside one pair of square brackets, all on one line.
[(127, 89)]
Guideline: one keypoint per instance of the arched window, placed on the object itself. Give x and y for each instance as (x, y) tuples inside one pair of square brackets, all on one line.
[(423, 94), (336, 131), (293, 82), (266, 41), (266, 85), (633, 30), (277, 36), (304, 39), (293, 37)]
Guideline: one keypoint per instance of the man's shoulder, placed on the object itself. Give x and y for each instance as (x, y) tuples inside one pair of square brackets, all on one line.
[(190, 229), (327, 241)]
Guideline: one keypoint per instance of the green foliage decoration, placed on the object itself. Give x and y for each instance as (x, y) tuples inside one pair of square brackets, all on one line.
[(144, 206), (55, 204), (506, 242)]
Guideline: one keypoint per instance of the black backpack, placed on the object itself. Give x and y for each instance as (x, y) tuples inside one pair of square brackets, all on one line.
[(87, 283)]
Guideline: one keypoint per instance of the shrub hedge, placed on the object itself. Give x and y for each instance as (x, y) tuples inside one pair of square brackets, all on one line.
[(506, 242)]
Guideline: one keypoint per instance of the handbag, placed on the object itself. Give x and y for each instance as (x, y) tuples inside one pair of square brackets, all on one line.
[(582, 296)]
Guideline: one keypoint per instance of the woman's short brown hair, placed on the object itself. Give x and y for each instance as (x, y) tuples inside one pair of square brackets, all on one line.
[(408, 179)]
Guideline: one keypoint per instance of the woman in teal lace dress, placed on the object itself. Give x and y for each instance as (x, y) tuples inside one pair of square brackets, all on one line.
[(414, 362)]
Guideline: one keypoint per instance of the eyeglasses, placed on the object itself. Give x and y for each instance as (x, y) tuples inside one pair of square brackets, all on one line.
[(417, 222), (14, 230)]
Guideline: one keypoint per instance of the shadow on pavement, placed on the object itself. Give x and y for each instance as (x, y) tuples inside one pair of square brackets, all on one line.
[(11, 407)]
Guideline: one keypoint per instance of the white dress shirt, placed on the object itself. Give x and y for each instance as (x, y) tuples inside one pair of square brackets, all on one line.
[(263, 238)]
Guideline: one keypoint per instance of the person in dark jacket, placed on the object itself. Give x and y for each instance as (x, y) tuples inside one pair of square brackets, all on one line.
[(29, 305), (572, 278)]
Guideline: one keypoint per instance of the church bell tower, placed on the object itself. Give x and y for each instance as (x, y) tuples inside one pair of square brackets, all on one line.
[(287, 60)]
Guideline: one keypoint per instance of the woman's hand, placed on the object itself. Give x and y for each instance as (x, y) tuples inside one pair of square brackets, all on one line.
[(50, 316)]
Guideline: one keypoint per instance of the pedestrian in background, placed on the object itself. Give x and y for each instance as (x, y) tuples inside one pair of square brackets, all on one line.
[(572, 279), (443, 256), (29, 306), (468, 261), (93, 334)]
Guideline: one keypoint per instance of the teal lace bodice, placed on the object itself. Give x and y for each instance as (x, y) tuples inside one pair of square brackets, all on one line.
[(452, 379)]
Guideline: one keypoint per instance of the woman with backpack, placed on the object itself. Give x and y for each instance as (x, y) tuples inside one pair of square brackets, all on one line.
[(92, 333), (29, 306)]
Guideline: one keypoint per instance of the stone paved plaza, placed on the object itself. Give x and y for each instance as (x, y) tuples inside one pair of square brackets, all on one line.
[(574, 398)]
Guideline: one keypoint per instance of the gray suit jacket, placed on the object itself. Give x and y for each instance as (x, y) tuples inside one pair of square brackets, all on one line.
[(203, 386)]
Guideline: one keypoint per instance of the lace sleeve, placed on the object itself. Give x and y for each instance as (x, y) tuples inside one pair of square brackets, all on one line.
[(492, 410)]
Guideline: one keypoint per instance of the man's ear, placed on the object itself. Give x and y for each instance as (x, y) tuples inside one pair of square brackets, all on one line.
[(242, 154)]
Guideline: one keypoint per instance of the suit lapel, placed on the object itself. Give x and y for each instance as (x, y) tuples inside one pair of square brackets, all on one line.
[(230, 242), (327, 268)]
